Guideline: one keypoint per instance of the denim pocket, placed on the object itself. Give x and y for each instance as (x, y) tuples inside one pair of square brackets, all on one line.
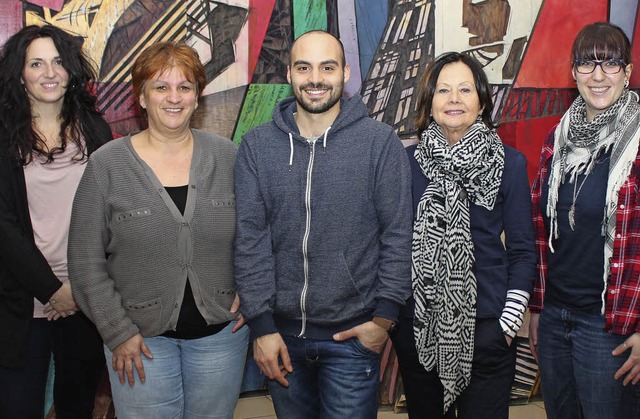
[(361, 348)]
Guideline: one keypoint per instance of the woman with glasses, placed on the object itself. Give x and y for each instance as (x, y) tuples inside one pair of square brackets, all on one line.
[(586, 212)]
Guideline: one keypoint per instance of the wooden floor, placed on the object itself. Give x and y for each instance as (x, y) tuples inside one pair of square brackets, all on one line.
[(261, 407)]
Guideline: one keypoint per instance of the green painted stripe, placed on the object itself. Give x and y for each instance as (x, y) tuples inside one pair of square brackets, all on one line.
[(258, 106), (309, 15)]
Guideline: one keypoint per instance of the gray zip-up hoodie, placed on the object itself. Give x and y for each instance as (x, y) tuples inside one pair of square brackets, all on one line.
[(323, 238)]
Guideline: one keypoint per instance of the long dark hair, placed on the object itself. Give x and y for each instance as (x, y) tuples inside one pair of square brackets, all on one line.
[(79, 104), (427, 88)]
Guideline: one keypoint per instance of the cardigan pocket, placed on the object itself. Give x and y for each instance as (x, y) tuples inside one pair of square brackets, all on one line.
[(229, 202), (132, 214), (146, 315)]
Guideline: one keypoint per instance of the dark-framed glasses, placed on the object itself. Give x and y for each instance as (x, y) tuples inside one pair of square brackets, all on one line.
[(612, 66)]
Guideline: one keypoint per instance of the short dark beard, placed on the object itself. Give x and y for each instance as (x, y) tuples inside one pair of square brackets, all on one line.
[(322, 107)]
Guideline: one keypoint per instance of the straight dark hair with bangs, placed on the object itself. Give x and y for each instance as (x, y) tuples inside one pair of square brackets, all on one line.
[(601, 41)]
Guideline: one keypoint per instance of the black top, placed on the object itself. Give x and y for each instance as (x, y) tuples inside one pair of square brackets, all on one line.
[(191, 324), (576, 268)]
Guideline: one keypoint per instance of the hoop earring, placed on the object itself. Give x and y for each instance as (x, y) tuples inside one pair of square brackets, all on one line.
[(626, 84)]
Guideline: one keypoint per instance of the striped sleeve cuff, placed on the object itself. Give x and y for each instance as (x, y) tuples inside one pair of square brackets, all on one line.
[(513, 312)]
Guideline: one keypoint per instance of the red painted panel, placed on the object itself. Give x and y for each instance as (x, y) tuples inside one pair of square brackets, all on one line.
[(10, 18), (635, 55), (259, 16), (528, 136), (546, 63), (51, 4)]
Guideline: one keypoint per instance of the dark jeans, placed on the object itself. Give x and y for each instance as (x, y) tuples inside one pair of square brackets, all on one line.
[(330, 380), (79, 363), (577, 368), (492, 374)]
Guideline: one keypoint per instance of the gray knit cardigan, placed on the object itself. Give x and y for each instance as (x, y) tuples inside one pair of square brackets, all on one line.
[(131, 250)]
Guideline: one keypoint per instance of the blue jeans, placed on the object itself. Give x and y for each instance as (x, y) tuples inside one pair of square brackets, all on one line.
[(577, 368), (79, 364), (190, 378), (329, 380)]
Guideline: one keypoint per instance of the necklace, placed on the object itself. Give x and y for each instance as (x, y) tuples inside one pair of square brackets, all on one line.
[(572, 210)]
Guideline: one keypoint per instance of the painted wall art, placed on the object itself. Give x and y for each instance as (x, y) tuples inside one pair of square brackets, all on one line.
[(524, 46)]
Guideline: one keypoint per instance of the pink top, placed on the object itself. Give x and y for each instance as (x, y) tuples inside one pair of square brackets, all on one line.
[(50, 191)]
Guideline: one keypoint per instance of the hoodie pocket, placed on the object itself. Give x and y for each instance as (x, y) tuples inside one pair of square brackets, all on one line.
[(332, 292), (330, 295)]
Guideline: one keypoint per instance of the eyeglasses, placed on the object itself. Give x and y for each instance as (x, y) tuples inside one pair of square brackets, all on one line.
[(612, 66)]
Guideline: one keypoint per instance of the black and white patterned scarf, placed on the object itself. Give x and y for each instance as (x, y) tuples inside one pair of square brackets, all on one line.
[(577, 145), (444, 285)]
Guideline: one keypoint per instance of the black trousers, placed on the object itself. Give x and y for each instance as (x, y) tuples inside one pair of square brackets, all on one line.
[(492, 374), (79, 364)]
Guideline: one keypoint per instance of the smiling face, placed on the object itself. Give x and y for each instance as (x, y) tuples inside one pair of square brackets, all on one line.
[(456, 105), (599, 89), (43, 76), (170, 100), (316, 74)]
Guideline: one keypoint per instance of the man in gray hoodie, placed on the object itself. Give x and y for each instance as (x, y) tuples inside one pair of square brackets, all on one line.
[(323, 240)]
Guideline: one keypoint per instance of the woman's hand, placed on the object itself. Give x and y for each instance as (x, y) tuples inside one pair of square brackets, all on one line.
[(235, 306), (126, 356), (61, 303), (632, 365), (509, 340), (534, 320)]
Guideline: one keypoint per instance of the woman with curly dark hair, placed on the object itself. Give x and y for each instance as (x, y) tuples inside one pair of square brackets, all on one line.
[(48, 127)]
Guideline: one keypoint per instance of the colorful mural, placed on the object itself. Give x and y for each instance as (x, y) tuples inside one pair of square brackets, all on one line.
[(524, 46), (244, 46)]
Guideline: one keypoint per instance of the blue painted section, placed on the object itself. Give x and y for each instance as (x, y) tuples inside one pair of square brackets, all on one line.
[(371, 20), (623, 13)]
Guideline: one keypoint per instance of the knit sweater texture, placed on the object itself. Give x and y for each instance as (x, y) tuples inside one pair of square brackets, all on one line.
[(324, 228), (131, 250)]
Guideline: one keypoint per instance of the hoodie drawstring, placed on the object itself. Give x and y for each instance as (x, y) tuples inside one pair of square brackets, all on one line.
[(291, 151), (324, 146), (324, 142)]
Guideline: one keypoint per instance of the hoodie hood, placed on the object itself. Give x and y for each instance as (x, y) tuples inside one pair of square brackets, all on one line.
[(351, 110)]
